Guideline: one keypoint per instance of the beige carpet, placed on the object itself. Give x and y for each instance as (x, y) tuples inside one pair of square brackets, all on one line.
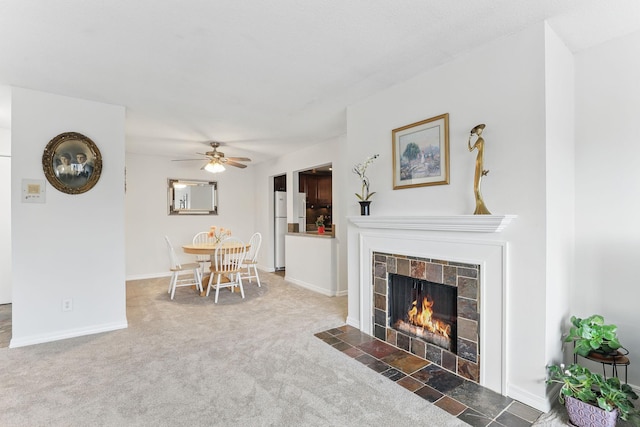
[(190, 362)]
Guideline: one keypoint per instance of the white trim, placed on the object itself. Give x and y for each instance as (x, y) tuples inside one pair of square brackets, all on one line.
[(504, 317), (70, 333), (490, 255), (463, 223), (353, 322), (310, 286), (542, 403), (148, 276)]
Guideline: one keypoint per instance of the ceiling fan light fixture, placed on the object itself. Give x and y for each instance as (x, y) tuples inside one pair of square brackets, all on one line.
[(217, 160), (214, 167)]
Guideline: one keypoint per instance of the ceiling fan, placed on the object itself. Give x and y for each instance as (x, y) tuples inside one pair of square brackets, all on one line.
[(217, 160)]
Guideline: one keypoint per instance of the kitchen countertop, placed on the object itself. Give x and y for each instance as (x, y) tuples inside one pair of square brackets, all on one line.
[(327, 234)]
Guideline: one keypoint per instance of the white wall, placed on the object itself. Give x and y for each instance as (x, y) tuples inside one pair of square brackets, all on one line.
[(311, 263), (560, 189), (71, 246), (320, 154), (5, 215), (607, 188), (148, 221), (501, 84)]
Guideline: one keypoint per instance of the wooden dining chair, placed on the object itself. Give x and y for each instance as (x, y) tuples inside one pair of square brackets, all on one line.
[(179, 271), (251, 260), (203, 237), (227, 266)]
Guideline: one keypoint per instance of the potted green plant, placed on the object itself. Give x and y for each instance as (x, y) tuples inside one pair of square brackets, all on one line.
[(320, 224), (588, 396), (592, 335)]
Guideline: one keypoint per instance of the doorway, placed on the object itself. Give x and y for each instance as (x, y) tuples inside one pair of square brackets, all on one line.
[(316, 185), (280, 220)]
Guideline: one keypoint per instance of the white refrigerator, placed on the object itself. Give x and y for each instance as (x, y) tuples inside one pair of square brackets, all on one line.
[(280, 215), (302, 212)]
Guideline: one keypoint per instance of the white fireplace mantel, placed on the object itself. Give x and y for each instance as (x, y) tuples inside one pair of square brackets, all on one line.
[(463, 223), (490, 254)]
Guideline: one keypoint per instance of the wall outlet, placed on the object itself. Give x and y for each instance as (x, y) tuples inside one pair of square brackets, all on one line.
[(67, 304)]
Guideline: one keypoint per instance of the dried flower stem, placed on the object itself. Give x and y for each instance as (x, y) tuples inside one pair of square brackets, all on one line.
[(360, 169)]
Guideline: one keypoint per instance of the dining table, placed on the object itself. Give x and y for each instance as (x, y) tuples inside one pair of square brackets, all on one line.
[(209, 248)]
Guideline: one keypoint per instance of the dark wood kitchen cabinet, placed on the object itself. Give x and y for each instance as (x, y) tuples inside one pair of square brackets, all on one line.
[(324, 190), (317, 188), (302, 185), (280, 183)]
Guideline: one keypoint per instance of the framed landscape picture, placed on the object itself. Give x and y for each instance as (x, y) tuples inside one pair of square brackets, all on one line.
[(421, 153)]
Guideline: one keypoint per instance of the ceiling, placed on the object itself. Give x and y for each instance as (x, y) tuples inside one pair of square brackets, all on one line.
[(263, 77)]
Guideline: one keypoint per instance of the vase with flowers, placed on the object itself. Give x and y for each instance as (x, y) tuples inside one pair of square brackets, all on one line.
[(320, 224), (219, 233), (360, 169)]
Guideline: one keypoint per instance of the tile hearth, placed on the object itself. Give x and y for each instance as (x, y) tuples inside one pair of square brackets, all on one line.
[(464, 399)]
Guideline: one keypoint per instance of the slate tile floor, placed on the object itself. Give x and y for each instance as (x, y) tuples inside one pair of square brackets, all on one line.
[(473, 404)]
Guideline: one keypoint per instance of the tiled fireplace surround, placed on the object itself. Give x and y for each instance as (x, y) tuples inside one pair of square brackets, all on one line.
[(455, 248), (463, 276)]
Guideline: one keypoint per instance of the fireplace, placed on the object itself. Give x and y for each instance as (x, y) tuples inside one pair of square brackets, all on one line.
[(424, 310), (406, 286), (465, 251)]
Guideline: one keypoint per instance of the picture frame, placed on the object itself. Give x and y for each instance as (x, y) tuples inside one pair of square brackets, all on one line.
[(421, 153), (72, 163), (192, 197)]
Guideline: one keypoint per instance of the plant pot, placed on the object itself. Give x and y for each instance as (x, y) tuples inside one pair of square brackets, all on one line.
[(364, 208), (583, 414), (321, 229), (606, 352)]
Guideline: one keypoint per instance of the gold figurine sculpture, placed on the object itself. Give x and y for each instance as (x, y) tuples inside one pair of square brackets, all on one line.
[(481, 209)]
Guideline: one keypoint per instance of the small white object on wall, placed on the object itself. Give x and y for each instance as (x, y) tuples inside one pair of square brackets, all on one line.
[(33, 191)]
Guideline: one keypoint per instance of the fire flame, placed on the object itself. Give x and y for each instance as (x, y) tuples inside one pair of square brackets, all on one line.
[(425, 320)]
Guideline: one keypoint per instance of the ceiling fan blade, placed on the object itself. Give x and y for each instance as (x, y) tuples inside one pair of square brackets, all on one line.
[(236, 164), (217, 157), (184, 160)]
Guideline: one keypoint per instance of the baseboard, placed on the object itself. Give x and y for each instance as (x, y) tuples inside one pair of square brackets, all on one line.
[(353, 322), (148, 276), (543, 404), (309, 286), (342, 293), (70, 333), (540, 403), (168, 274)]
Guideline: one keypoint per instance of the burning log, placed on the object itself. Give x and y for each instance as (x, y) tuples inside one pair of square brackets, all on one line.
[(420, 332)]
